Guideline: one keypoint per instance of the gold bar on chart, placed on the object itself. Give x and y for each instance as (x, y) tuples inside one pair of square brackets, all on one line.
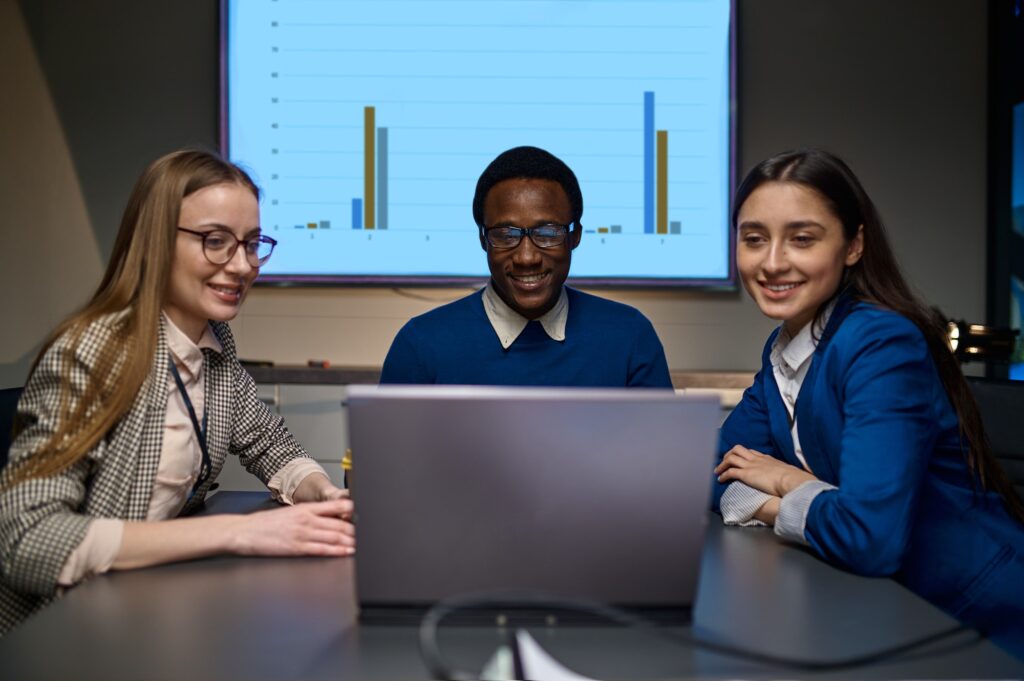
[(662, 183), (369, 156)]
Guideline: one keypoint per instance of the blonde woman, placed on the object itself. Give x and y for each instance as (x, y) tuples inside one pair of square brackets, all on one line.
[(135, 401)]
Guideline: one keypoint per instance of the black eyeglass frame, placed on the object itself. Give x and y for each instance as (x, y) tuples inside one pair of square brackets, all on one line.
[(262, 238), (524, 231)]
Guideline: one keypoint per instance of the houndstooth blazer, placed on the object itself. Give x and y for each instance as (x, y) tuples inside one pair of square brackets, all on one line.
[(43, 520)]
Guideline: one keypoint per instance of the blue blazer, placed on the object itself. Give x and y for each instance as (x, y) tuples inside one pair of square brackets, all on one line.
[(875, 421)]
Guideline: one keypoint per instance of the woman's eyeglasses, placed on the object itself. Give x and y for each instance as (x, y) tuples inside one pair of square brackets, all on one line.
[(219, 246)]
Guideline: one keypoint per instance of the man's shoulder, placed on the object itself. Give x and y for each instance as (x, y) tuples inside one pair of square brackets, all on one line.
[(595, 308), (435, 340), (465, 309)]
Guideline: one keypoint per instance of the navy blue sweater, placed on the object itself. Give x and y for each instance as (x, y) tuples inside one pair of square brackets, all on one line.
[(607, 344)]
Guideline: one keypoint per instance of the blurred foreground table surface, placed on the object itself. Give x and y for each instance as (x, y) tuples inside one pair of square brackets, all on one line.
[(236, 619)]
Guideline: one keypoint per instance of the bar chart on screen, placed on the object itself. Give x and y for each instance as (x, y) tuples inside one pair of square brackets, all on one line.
[(368, 122)]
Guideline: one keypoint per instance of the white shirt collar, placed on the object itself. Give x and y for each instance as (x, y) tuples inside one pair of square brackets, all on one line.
[(189, 355), (790, 353), (508, 324)]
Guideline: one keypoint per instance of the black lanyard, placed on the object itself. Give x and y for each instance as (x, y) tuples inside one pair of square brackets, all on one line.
[(204, 469)]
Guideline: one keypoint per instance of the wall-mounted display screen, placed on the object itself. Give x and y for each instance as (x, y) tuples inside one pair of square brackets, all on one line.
[(368, 122)]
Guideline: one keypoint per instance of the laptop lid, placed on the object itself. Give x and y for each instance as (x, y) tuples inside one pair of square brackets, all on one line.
[(599, 494)]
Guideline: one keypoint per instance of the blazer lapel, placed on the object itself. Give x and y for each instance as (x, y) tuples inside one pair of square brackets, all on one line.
[(810, 445), (150, 433), (817, 459), (778, 417), (218, 408)]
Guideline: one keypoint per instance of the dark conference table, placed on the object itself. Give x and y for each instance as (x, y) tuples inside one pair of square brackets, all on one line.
[(236, 619)]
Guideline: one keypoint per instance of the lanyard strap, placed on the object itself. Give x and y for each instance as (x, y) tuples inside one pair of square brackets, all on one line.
[(204, 469)]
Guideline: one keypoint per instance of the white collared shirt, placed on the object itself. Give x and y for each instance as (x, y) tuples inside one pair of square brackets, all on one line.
[(509, 324)]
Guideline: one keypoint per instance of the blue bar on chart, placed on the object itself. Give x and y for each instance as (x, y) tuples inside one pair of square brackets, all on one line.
[(648, 163), (382, 178), (357, 213), (675, 227)]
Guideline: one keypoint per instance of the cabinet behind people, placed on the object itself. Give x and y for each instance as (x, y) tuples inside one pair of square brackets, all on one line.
[(859, 436), (526, 327), (134, 402)]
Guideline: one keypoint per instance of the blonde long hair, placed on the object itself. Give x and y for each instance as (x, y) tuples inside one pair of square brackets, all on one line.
[(133, 288)]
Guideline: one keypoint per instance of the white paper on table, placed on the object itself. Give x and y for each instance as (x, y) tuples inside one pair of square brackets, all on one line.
[(538, 665)]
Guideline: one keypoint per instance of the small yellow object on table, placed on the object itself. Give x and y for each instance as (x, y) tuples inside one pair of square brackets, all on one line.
[(346, 465)]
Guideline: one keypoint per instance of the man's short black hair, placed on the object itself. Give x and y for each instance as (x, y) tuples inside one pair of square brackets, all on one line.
[(528, 163)]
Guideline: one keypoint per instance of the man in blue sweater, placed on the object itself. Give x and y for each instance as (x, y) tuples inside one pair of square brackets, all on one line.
[(526, 327)]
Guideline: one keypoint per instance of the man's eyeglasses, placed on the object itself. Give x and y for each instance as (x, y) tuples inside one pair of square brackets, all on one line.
[(219, 246), (544, 236)]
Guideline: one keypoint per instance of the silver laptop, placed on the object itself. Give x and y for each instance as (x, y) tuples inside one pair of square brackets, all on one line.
[(597, 494)]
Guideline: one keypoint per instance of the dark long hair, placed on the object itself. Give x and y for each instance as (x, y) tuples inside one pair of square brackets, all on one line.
[(876, 279)]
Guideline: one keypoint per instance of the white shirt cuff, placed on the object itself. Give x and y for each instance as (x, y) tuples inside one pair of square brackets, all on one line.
[(288, 477), (795, 506), (95, 554), (740, 502)]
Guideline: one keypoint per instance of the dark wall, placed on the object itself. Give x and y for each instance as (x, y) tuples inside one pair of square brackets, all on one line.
[(898, 88), (131, 80)]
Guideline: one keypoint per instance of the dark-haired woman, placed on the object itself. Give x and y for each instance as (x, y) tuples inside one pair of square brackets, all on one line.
[(135, 401), (859, 436)]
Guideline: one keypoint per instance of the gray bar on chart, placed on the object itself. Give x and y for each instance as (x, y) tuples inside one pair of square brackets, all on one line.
[(675, 227), (615, 229), (325, 224), (382, 178)]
